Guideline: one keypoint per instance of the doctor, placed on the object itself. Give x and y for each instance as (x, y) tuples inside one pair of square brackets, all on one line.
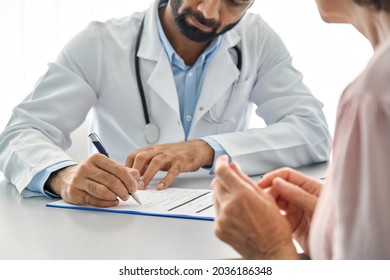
[(182, 76)]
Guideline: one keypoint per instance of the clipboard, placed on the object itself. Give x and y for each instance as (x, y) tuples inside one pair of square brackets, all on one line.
[(171, 202)]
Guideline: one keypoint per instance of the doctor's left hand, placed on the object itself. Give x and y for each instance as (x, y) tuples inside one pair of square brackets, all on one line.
[(174, 158)]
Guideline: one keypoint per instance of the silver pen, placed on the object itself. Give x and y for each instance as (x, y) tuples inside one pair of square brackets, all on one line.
[(99, 146)]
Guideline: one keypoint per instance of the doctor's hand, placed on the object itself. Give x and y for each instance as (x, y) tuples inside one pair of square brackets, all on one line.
[(297, 195), (174, 158), (98, 181), (247, 217)]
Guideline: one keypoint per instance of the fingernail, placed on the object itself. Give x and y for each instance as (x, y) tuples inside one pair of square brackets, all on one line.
[(279, 182), (160, 186), (235, 166), (140, 183), (133, 189)]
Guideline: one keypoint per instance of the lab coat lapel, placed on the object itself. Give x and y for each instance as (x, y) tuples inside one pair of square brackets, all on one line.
[(162, 82), (220, 76), (155, 68)]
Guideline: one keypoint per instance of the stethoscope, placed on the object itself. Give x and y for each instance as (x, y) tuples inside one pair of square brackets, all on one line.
[(152, 131)]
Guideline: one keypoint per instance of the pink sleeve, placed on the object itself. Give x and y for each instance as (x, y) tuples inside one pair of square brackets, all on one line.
[(352, 218)]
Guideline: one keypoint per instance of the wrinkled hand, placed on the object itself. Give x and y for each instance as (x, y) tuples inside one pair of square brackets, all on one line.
[(248, 218), (296, 194), (98, 181), (174, 158)]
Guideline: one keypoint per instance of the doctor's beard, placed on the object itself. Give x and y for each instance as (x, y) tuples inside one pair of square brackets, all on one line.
[(192, 32)]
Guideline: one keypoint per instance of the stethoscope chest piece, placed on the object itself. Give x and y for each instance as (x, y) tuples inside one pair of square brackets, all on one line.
[(152, 133)]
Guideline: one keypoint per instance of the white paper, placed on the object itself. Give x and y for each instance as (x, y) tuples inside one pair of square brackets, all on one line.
[(171, 202)]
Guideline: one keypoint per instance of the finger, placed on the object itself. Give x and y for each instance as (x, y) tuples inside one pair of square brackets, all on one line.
[(129, 162), (97, 177), (162, 162), (296, 195), (131, 158), (241, 174), (143, 158), (235, 167), (267, 179), (109, 191), (282, 204), (169, 178), (220, 192), (141, 183), (85, 181), (78, 196), (104, 185), (221, 162), (116, 176), (216, 204), (288, 174), (273, 192), (214, 183), (74, 195), (230, 177), (134, 173), (91, 200)]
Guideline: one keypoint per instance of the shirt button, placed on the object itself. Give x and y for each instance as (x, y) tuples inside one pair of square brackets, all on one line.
[(200, 108), (188, 118), (190, 74)]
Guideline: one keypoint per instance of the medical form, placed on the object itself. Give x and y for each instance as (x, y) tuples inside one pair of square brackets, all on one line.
[(171, 202)]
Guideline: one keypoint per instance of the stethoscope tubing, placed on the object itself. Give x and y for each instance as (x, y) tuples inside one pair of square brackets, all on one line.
[(152, 132), (138, 74)]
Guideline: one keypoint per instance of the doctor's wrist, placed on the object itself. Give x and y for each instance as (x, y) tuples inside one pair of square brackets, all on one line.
[(207, 154), (55, 183), (48, 189)]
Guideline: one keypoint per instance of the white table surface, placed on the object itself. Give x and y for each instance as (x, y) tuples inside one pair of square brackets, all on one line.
[(30, 230)]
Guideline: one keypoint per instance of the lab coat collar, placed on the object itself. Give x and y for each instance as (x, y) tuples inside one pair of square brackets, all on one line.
[(225, 71), (160, 78), (150, 46)]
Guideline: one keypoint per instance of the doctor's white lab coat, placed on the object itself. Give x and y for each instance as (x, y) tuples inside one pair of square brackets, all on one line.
[(95, 74)]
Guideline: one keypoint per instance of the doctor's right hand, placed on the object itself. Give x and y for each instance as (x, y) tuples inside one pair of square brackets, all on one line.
[(97, 181)]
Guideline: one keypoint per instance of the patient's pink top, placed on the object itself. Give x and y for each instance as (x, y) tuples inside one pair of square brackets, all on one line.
[(352, 218)]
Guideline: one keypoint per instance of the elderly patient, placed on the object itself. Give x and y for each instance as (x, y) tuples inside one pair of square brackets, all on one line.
[(348, 217)]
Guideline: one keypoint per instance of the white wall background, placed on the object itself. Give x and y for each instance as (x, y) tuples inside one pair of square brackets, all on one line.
[(34, 31)]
